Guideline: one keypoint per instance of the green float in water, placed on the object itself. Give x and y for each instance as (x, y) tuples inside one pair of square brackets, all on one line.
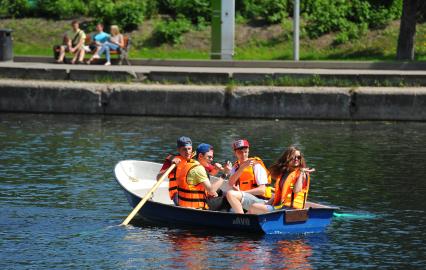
[(354, 216)]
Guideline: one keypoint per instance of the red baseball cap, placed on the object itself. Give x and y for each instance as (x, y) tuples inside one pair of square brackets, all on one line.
[(240, 144)]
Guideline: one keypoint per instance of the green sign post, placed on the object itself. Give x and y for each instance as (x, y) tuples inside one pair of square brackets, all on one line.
[(223, 29)]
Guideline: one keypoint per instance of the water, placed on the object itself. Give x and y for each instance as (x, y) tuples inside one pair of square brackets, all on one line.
[(60, 206)]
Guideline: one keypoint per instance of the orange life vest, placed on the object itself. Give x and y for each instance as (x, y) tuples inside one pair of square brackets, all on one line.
[(247, 178), (172, 180), (284, 195), (190, 195)]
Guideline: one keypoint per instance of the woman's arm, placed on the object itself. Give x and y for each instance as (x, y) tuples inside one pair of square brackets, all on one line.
[(299, 182), (121, 41)]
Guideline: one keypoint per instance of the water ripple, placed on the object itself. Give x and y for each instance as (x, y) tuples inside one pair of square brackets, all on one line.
[(60, 204)]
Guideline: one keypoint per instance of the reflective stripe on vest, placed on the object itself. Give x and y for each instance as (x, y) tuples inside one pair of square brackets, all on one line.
[(247, 178), (190, 195)]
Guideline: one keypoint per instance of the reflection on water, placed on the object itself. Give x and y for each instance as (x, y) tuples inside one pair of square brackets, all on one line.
[(198, 249), (60, 205)]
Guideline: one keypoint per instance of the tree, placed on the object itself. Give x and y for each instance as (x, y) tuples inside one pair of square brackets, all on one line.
[(412, 11)]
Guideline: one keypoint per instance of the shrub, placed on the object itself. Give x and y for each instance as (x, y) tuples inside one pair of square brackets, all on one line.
[(349, 18), (324, 16), (151, 8), (127, 14), (15, 8), (193, 10), (61, 9), (271, 11), (352, 31), (170, 31), (383, 14)]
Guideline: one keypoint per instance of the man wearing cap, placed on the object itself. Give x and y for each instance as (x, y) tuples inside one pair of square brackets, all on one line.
[(248, 179), (193, 180), (204, 155), (218, 202), (184, 148)]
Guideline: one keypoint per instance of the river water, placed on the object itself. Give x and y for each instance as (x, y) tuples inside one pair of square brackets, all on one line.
[(60, 206)]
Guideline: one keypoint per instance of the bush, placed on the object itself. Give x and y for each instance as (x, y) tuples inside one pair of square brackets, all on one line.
[(151, 8), (271, 11), (383, 14), (324, 16), (170, 31), (193, 10), (61, 9), (352, 31), (349, 18), (127, 14), (14, 8)]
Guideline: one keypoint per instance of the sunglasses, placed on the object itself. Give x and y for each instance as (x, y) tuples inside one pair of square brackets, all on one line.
[(297, 158)]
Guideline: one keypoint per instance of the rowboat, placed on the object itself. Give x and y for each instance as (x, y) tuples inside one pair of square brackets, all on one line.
[(138, 177)]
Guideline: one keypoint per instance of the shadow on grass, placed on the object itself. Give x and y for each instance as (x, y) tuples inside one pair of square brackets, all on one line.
[(365, 54)]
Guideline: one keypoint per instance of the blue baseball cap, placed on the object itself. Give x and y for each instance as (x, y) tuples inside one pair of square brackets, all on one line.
[(204, 148), (183, 141)]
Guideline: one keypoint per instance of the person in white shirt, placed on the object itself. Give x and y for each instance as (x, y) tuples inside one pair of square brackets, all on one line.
[(248, 179)]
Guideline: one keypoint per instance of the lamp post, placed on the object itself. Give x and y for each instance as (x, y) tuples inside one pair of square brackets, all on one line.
[(296, 28)]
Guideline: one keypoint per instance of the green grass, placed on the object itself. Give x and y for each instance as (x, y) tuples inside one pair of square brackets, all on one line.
[(174, 53), (37, 36)]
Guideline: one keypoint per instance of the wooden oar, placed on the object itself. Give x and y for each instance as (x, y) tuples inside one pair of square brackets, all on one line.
[(148, 195)]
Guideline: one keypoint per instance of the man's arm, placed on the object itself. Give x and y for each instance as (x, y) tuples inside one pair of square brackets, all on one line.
[(233, 179), (167, 163), (212, 188), (259, 190)]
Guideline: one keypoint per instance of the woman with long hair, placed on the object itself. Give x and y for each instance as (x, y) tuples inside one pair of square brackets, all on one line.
[(292, 183)]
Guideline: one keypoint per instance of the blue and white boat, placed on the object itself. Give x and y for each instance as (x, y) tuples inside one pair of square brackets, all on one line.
[(138, 177)]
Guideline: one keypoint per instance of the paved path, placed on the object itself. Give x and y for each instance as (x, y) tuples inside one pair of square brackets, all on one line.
[(249, 70)]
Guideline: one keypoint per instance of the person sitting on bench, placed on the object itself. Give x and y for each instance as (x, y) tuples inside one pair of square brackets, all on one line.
[(115, 42), (74, 43)]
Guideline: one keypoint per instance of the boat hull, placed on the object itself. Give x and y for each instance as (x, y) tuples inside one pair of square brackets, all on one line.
[(271, 223)]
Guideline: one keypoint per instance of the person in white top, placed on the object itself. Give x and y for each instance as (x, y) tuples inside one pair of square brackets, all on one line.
[(248, 179)]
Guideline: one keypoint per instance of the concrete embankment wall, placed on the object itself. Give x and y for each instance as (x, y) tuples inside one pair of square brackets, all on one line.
[(215, 101)]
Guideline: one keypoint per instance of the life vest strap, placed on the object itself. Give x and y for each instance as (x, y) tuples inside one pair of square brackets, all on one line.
[(190, 191), (192, 199)]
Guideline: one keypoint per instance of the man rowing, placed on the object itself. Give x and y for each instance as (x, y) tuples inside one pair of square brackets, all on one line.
[(189, 182), (184, 149)]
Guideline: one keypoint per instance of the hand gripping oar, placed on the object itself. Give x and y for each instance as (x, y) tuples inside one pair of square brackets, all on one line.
[(148, 195)]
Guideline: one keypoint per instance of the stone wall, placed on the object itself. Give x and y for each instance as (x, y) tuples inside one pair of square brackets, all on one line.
[(367, 103)]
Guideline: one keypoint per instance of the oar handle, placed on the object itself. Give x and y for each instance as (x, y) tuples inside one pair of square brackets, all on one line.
[(148, 195)]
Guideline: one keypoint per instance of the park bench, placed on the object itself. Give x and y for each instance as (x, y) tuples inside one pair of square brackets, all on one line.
[(121, 52)]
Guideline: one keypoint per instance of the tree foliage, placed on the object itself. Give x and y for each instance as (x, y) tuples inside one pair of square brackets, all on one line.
[(349, 18)]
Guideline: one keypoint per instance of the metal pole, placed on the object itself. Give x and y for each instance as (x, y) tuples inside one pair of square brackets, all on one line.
[(296, 26)]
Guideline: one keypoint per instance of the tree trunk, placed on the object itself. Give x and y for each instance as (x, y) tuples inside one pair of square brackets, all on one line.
[(407, 30)]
